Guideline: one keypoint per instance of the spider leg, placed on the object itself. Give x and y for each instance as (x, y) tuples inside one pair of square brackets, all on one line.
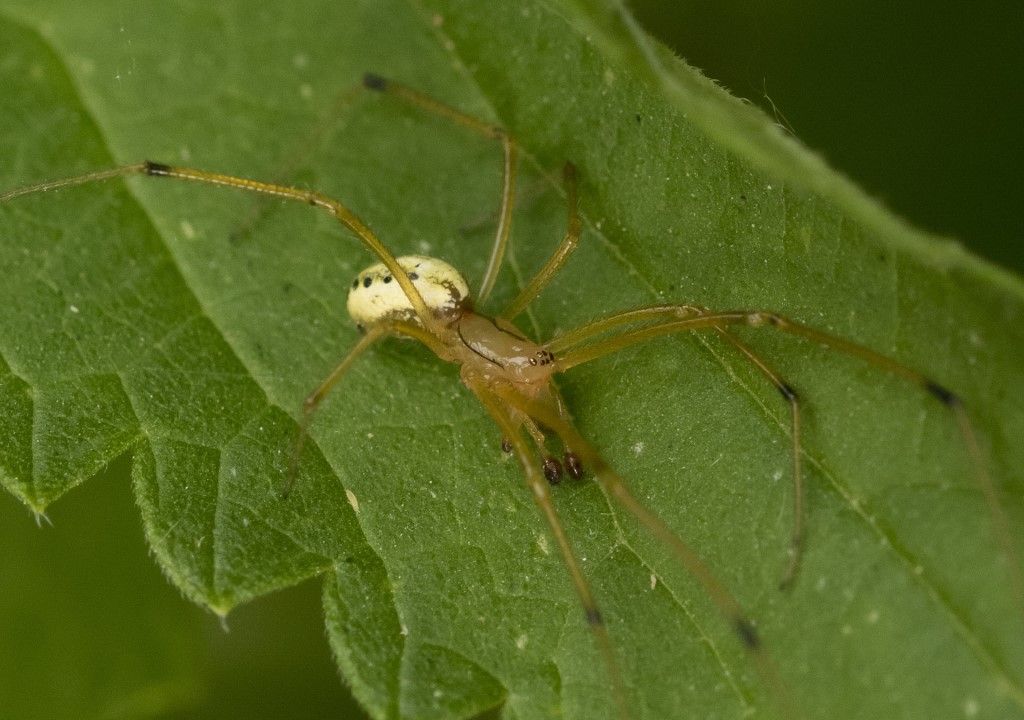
[(502, 413), (302, 152), (313, 400), (598, 327), (677, 312), (318, 200), (561, 254), (574, 355), (616, 488), (796, 538), (510, 153)]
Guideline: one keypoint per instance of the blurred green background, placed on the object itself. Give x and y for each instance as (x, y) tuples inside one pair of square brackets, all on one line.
[(102, 634), (921, 103), (918, 102)]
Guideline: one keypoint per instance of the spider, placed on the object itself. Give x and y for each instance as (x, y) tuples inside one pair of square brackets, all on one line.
[(426, 299)]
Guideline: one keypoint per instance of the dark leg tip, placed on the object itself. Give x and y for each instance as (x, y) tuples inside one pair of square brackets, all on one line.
[(788, 392), (506, 446), (946, 397), (155, 168), (573, 466), (748, 634), (552, 470), (594, 617), (375, 82)]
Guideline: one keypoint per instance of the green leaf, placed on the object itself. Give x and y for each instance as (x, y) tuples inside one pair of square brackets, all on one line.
[(185, 325)]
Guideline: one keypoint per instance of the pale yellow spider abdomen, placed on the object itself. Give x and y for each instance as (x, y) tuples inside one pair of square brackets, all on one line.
[(375, 295)]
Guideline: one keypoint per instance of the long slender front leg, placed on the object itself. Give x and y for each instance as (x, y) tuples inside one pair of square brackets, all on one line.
[(576, 355), (316, 199), (668, 313)]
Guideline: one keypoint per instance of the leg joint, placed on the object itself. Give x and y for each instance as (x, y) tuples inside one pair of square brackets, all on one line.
[(788, 392), (748, 633), (759, 319), (373, 81), (154, 168), (945, 396)]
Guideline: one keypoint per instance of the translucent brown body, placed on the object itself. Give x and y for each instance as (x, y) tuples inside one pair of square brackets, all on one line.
[(492, 350), (495, 354)]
